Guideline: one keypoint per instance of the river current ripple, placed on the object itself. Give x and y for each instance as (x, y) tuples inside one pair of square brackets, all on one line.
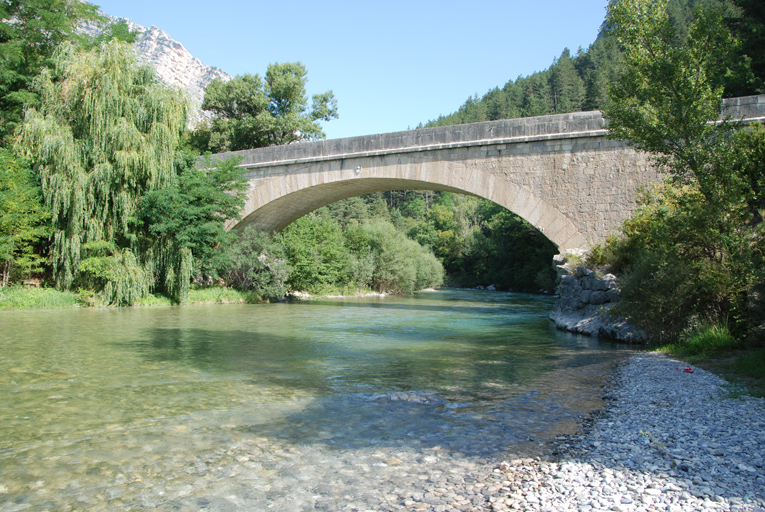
[(345, 404)]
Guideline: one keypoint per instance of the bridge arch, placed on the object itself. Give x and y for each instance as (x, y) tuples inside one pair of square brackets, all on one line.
[(559, 172), (280, 211)]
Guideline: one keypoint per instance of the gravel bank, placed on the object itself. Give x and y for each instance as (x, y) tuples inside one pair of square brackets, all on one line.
[(668, 440)]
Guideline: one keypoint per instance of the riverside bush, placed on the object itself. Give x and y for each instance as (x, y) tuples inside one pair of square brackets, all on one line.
[(258, 264), (705, 341), (688, 261), (23, 297), (389, 261)]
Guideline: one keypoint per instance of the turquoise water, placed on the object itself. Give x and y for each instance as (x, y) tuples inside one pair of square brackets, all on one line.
[(98, 406)]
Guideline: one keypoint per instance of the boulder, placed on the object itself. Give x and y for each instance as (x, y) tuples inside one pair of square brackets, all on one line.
[(585, 305)]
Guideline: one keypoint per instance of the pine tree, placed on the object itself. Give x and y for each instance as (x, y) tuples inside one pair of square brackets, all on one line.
[(566, 87)]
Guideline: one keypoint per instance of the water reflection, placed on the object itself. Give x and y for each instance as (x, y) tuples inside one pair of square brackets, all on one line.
[(86, 394)]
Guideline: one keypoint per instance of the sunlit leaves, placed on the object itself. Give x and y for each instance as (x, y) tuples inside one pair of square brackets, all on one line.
[(22, 217), (251, 112), (105, 133), (30, 31), (668, 98)]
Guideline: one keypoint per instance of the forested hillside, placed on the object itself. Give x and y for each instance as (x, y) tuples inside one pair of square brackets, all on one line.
[(579, 82)]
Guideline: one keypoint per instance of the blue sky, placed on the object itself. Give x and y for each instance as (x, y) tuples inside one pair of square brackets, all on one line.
[(390, 64)]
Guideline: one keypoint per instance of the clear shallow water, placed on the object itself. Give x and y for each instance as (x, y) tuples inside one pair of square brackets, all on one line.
[(281, 406)]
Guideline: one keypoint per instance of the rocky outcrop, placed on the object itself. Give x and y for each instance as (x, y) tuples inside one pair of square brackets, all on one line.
[(174, 64), (586, 304)]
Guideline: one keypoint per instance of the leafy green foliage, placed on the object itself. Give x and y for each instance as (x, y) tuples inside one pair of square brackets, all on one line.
[(324, 256), (689, 261), (316, 252), (183, 224), (387, 260), (22, 217), (27, 297), (481, 243), (708, 340), (477, 242), (570, 84), (252, 113), (669, 95), (508, 252), (693, 254), (105, 133), (30, 31), (749, 27), (258, 264), (119, 31), (113, 273)]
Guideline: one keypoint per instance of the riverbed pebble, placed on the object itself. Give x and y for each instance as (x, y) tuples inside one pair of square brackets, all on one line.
[(672, 438), (667, 440)]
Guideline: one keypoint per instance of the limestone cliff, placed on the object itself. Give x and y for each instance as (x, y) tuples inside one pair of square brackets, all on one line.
[(175, 65)]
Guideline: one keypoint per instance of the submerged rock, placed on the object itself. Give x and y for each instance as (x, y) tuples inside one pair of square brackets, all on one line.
[(419, 397)]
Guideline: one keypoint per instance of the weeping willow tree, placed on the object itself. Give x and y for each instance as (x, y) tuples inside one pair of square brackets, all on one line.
[(106, 133)]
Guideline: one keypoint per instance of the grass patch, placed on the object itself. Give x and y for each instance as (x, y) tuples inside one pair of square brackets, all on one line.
[(25, 297), (751, 364), (156, 299), (713, 347), (221, 295), (704, 342)]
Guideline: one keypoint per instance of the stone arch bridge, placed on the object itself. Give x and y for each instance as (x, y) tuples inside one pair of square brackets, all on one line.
[(559, 172)]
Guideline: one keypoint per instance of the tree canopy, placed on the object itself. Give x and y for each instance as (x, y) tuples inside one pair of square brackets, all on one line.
[(670, 92), (30, 31), (105, 133), (694, 251), (250, 112), (22, 216)]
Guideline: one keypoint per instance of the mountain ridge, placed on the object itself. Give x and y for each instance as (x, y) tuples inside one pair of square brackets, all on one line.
[(174, 64)]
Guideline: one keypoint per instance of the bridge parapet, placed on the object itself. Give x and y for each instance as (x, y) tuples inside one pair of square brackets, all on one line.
[(559, 172), (506, 131), (558, 126)]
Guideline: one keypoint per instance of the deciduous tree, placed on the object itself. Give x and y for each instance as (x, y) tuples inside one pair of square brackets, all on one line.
[(669, 96), (106, 132), (694, 252), (251, 112), (30, 31), (22, 216)]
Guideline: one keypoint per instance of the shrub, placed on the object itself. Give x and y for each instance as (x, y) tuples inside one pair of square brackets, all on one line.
[(258, 264), (707, 340)]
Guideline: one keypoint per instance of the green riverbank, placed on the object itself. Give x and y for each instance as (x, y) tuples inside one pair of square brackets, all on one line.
[(23, 297)]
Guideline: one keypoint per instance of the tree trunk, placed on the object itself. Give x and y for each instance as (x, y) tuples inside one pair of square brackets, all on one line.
[(6, 273)]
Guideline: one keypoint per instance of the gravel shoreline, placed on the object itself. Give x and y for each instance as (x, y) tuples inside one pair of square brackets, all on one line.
[(669, 439)]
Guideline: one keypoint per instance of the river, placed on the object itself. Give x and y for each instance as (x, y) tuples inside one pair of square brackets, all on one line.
[(337, 404)]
